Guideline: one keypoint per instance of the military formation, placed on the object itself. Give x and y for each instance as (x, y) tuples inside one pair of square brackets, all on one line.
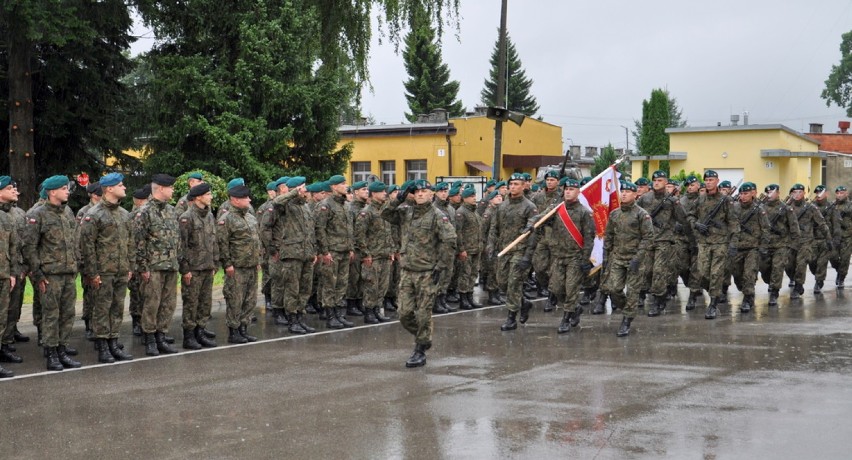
[(372, 251)]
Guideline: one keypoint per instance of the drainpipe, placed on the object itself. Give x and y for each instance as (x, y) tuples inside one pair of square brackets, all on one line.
[(449, 155)]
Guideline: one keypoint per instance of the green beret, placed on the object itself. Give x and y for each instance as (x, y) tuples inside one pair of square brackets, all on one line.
[(771, 187), (628, 186), (660, 174), (563, 180), (691, 180), (490, 183), (552, 173), (516, 176), (111, 179), (725, 184), (840, 188), (710, 173), (457, 184), (642, 182), (819, 189), (55, 182), (492, 195), (535, 188), (236, 182), (468, 192), (392, 188), (195, 175), (272, 185), (454, 190), (377, 186), (527, 176), (748, 187), (421, 184), (5, 181), (295, 181), (325, 187), (42, 194), (442, 186), (359, 185), (311, 188), (571, 183), (585, 180), (336, 179), (502, 183), (702, 185), (674, 182), (797, 187), (281, 181)]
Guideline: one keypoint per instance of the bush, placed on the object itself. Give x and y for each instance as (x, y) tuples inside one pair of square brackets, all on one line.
[(217, 184)]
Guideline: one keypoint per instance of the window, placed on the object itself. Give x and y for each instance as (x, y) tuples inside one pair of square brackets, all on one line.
[(415, 169), (360, 171), (388, 171)]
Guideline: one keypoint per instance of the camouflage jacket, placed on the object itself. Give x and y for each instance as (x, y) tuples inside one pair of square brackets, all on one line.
[(157, 238), (50, 244), (823, 208), (333, 226), (289, 228), (199, 248), (373, 235), (428, 238), (841, 217), (487, 220), (629, 233), (562, 245), (754, 232), (106, 240), (510, 219), (545, 199), (669, 218), (811, 223), (10, 252), (353, 208), (226, 206), (724, 228), (239, 242), (446, 209), (20, 217), (182, 205), (468, 229), (783, 226)]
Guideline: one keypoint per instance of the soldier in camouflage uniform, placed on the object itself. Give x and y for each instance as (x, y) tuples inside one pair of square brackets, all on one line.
[(571, 252), (469, 247), (812, 227), (239, 255), (106, 249), (50, 250), (37, 312), (319, 191), (512, 219), (824, 244), (16, 295), (541, 259), (693, 276), (455, 200), (157, 240), (192, 179), (482, 204), (717, 237), (374, 244), (95, 193), (335, 250), (9, 266), (682, 243), (197, 263), (428, 245), (754, 226), (390, 302), (488, 277), (629, 235), (266, 280), (266, 222), (442, 203), (841, 220), (140, 197), (773, 249), (667, 216), (354, 290), (239, 181)]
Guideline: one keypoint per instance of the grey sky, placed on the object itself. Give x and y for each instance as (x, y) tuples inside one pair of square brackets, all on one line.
[(594, 62)]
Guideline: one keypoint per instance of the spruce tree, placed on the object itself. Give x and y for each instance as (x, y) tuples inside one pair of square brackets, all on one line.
[(518, 85)]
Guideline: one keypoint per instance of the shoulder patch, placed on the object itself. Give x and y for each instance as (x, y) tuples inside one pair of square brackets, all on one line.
[(323, 208), (270, 209), (362, 214), (184, 220), (445, 219), (222, 222), (87, 218), (31, 220)]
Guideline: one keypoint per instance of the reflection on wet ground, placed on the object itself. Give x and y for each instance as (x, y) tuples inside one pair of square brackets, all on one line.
[(770, 384)]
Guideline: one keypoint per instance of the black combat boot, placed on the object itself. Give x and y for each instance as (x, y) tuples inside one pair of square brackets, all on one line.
[(659, 306), (445, 304), (797, 291), (280, 317), (90, 336), (52, 356), (585, 299), (748, 303), (234, 336), (137, 326), (452, 296), (464, 304), (267, 301), (712, 311), (389, 305), (510, 324), (526, 306), (189, 341), (543, 292), (65, 359), (322, 312), (839, 282), (311, 307), (340, 317), (550, 303), (818, 287), (208, 333), (104, 356), (691, 301), (575, 318), (418, 358), (168, 339), (162, 345), (117, 353), (243, 330), (724, 297), (20, 338), (296, 327), (641, 304), (624, 329), (151, 345), (300, 318), (773, 298), (352, 308), (6, 373), (600, 305), (565, 325), (494, 298), (438, 307), (8, 356), (332, 322), (377, 312), (471, 301), (202, 339), (369, 317)]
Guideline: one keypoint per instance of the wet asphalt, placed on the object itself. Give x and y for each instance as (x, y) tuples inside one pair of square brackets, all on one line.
[(774, 383)]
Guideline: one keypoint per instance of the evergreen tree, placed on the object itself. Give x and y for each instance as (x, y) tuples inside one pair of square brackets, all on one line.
[(429, 86), (658, 113), (518, 85), (838, 86), (606, 159)]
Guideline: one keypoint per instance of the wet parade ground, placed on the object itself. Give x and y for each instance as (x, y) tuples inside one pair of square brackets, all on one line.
[(774, 383)]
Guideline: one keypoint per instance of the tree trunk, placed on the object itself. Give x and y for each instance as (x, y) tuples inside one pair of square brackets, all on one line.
[(21, 129)]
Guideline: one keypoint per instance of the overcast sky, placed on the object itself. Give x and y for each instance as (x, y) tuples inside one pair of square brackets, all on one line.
[(593, 62)]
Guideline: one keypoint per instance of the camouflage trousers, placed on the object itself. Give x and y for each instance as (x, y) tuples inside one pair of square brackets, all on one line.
[(694, 282), (454, 280), (16, 300), (334, 278), (297, 278), (5, 289), (488, 273), (510, 279), (446, 278), (840, 262), (240, 292), (744, 268), (57, 304), (136, 299), (376, 279), (37, 311), (772, 268), (160, 294), (393, 284), (712, 266), (662, 267), (197, 297), (541, 264), (819, 263), (468, 270), (566, 280), (416, 298), (353, 286), (798, 260), (615, 279), (88, 298), (108, 306), (266, 279)]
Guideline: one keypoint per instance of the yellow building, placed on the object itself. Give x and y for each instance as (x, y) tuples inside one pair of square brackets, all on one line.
[(455, 147), (763, 154)]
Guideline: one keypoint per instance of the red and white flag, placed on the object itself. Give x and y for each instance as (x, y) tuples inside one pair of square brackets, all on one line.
[(601, 196)]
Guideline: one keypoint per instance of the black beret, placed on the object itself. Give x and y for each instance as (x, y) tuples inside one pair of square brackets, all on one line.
[(199, 190), (142, 193), (240, 191), (163, 179), (94, 188)]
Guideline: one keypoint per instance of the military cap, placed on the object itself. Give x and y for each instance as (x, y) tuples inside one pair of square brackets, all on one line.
[(112, 179), (771, 187), (516, 176), (94, 188), (359, 185), (42, 194), (527, 176), (325, 187), (490, 183), (642, 182), (421, 184), (442, 186), (840, 188), (336, 179), (5, 181), (702, 185), (142, 193), (659, 174), (710, 173), (55, 182), (563, 181), (195, 175), (819, 189), (406, 184), (690, 180), (457, 184), (492, 195), (797, 187), (236, 182), (392, 188), (571, 182), (295, 181), (311, 188), (468, 192), (198, 190), (535, 188), (748, 187), (628, 186), (502, 183), (454, 190), (377, 186), (239, 191), (585, 180), (674, 182), (281, 181), (271, 185), (163, 180), (552, 173), (725, 184)]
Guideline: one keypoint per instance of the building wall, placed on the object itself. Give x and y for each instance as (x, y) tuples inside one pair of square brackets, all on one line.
[(432, 148), (838, 171)]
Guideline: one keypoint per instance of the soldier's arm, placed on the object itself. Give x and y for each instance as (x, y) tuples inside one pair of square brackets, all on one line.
[(446, 242), (793, 223), (32, 236), (494, 231), (268, 220), (322, 215), (821, 225), (88, 246), (14, 250), (392, 213), (140, 235), (362, 228), (282, 200), (733, 223), (223, 238), (460, 228), (609, 233), (646, 232), (185, 230), (587, 229)]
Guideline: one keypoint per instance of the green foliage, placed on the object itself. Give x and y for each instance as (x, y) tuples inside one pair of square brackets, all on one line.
[(218, 186), (606, 159), (681, 177), (518, 85), (838, 86), (658, 113), (429, 86)]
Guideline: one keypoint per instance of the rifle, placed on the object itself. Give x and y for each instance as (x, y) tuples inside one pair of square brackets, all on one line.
[(754, 209), (778, 214), (658, 209), (711, 216)]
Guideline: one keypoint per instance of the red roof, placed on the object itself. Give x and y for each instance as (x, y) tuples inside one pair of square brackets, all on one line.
[(841, 143)]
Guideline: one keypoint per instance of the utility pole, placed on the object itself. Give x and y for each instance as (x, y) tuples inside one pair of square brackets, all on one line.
[(501, 93), (626, 140)]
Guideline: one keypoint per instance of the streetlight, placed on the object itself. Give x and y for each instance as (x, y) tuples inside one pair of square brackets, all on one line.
[(626, 139)]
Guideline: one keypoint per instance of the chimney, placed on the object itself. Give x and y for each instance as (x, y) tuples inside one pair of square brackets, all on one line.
[(438, 116), (844, 127), (575, 151), (591, 151), (816, 128), (735, 119), (745, 118)]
